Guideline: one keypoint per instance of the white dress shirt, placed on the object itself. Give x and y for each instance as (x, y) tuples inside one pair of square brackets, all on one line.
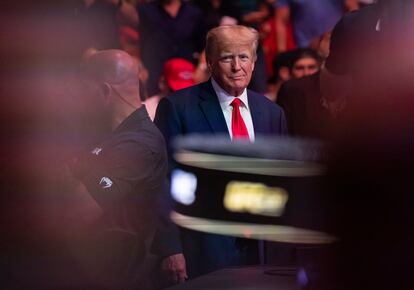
[(225, 100)]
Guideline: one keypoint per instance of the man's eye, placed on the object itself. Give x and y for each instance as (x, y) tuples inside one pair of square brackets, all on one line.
[(244, 57), (227, 58)]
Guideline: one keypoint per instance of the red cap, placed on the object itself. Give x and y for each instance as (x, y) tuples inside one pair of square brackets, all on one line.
[(178, 73)]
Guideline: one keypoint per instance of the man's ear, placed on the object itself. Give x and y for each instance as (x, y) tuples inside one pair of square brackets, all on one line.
[(106, 91), (162, 84), (209, 65)]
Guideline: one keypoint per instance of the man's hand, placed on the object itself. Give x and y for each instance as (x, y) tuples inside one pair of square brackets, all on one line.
[(174, 268)]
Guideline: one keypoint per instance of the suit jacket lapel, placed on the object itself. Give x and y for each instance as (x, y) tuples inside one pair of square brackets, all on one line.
[(210, 106), (256, 113)]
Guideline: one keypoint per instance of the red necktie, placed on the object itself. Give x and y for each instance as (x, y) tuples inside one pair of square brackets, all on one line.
[(238, 127)]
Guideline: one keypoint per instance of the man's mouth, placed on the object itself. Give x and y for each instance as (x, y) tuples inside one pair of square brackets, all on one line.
[(237, 78)]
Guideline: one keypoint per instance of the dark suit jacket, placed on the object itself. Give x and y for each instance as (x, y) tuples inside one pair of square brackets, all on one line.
[(305, 115), (197, 110)]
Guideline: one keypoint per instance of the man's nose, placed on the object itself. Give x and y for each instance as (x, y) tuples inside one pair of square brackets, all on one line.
[(236, 64), (307, 71)]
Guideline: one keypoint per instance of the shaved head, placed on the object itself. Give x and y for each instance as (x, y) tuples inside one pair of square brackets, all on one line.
[(112, 66), (113, 75)]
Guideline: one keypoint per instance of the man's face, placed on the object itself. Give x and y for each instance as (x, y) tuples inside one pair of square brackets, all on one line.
[(304, 67), (232, 66)]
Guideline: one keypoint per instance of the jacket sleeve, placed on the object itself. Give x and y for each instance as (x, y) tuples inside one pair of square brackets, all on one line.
[(287, 97), (168, 122), (283, 124), (167, 240)]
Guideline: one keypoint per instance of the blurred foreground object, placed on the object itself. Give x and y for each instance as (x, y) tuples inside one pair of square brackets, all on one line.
[(266, 190), (372, 157)]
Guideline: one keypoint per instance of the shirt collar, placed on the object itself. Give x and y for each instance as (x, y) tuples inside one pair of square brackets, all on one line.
[(132, 120), (225, 99)]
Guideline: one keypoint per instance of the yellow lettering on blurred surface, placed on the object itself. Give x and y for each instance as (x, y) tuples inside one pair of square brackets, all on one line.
[(255, 198)]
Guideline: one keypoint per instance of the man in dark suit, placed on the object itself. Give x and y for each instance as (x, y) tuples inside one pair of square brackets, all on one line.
[(221, 105)]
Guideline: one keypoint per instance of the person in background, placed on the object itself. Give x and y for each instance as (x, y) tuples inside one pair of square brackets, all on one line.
[(168, 29), (212, 12), (269, 34), (310, 19), (178, 74), (104, 18), (305, 62), (307, 114), (282, 65)]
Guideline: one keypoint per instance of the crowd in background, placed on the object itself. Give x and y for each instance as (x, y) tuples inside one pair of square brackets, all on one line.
[(294, 41)]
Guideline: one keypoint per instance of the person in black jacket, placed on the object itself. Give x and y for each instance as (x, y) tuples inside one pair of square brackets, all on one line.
[(125, 173)]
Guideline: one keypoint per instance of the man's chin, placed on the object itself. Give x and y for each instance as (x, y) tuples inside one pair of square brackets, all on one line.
[(240, 85), (238, 81), (238, 90)]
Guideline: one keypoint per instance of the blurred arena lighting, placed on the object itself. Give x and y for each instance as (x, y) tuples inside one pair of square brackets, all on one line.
[(183, 186)]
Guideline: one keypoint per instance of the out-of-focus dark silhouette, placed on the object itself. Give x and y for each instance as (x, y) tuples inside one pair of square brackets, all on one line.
[(370, 176)]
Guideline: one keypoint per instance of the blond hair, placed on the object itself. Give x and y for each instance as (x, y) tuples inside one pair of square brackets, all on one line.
[(222, 34)]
